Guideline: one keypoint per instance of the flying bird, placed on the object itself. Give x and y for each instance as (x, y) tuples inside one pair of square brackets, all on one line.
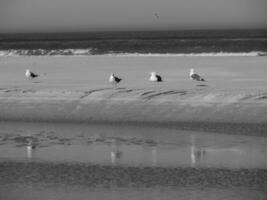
[(30, 75), (195, 76), (114, 80), (155, 77)]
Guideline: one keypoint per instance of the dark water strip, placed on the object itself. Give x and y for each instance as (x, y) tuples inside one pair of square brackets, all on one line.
[(246, 129), (140, 42), (126, 176)]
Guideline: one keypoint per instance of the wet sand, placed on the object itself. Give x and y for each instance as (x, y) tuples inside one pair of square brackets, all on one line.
[(50, 160), (129, 145)]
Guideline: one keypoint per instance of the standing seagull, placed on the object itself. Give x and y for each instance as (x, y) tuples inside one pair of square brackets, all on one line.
[(114, 80), (155, 77), (195, 76), (30, 75)]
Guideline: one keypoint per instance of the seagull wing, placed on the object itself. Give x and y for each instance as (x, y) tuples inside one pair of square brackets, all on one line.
[(34, 75), (159, 78), (117, 79), (197, 77)]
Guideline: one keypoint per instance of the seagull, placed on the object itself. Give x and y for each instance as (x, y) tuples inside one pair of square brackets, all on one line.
[(195, 76), (156, 15), (114, 80), (30, 75), (155, 77)]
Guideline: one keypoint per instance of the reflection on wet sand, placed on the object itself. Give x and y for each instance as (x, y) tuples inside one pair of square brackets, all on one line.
[(115, 153), (30, 148), (194, 153), (29, 151), (143, 161), (154, 156)]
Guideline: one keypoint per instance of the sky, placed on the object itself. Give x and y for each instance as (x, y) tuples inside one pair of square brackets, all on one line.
[(117, 15)]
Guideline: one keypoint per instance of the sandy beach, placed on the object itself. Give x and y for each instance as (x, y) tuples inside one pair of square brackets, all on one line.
[(143, 139), (77, 89)]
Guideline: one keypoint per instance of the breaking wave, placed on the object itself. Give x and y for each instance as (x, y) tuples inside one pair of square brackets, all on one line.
[(197, 54), (88, 52), (44, 52)]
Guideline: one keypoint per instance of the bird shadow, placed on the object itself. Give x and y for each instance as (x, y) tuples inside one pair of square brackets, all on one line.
[(120, 88), (36, 82), (202, 85)]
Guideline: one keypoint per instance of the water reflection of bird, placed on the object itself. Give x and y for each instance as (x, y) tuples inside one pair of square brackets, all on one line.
[(196, 153), (154, 156), (199, 153), (115, 154), (31, 146)]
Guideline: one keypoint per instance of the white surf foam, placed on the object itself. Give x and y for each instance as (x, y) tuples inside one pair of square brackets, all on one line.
[(88, 52), (254, 53)]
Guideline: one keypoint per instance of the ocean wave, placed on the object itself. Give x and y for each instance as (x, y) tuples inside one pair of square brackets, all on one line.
[(254, 53), (88, 52), (43, 52)]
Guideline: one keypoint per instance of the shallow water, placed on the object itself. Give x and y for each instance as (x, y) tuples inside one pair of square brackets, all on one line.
[(100, 161)]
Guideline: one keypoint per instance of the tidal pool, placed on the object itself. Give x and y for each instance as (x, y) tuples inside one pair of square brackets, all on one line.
[(111, 161)]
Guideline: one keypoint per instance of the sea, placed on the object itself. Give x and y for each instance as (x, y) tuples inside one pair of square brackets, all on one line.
[(137, 43)]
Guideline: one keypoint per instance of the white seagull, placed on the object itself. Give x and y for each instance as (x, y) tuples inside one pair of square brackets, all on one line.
[(155, 77), (30, 75), (114, 80), (195, 76)]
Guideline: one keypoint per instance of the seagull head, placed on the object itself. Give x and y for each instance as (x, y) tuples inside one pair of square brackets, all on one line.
[(153, 73), (192, 71), (27, 70)]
